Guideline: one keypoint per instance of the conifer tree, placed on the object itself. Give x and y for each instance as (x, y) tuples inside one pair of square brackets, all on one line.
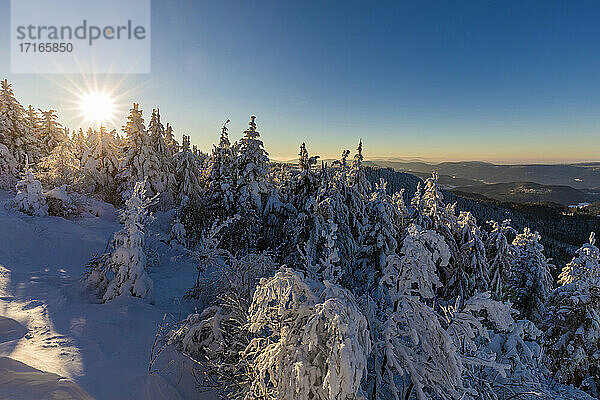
[(34, 123), (80, 144), (170, 140), (188, 175), (499, 253), (8, 168), (30, 196), (356, 177), (572, 321), (60, 167), (51, 131), (100, 165), (418, 354), (140, 161), (123, 270), (252, 169), (221, 171), (379, 240), (430, 212), (473, 263), (530, 282), (164, 182), (14, 131)]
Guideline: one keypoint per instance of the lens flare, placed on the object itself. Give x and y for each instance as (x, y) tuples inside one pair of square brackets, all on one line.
[(97, 108)]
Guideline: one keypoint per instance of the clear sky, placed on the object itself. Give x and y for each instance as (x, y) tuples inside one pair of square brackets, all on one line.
[(507, 81)]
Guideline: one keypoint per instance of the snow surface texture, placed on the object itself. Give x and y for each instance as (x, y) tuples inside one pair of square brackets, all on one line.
[(85, 350)]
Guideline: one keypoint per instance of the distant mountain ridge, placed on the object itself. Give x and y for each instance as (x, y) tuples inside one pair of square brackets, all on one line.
[(578, 176), (530, 192)]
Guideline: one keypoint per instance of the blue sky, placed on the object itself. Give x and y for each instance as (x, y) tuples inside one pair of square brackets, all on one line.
[(441, 80)]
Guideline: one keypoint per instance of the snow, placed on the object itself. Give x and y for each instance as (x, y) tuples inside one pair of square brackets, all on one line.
[(20, 382), (580, 205), (72, 344)]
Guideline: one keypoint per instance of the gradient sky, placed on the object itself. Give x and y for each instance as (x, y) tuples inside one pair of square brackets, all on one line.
[(504, 81)]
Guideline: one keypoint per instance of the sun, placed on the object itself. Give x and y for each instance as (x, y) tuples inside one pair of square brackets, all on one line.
[(97, 108)]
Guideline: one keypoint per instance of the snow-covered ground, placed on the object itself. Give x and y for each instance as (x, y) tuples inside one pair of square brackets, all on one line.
[(51, 326)]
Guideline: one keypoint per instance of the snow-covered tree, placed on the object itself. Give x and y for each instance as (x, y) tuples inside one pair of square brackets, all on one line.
[(312, 340), (178, 234), (572, 323), (530, 282), (305, 162), (14, 130), (188, 174), (170, 140), (32, 119), (100, 165), (356, 175), (8, 168), (585, 266), (30, 196), (34, 123), (124, 270), (572, 333), (473, 325), (419, 357), (140, 161), (498, 249), (473, 263), (164, 180), (327, 267), (60, 167), (221, 172), (298, 338), (379, 238), (80, 144), (51, 131), (252, 163), (431, 212)]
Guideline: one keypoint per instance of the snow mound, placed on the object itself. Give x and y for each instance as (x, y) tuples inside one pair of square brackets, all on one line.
[(19, 381), (11, 330)]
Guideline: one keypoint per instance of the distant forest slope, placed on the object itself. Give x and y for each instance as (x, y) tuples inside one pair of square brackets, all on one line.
[(530, 192), (562, 230), (579, 176)]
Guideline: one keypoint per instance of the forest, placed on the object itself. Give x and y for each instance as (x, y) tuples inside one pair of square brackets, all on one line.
[(318, 281)]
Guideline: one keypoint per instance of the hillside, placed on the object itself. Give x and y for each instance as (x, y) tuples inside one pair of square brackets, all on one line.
[(579, 176), (562, 230), (530, 192)]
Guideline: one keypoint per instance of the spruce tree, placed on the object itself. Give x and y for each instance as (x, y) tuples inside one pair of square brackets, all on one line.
[(33, 121), (221, 172), (51, 131), (188, 175), (165, 178), (60, 167), (14, 130), (8, 168), (30, 195), (100, 165), (140, 161), (498, 249), (80, 144), (472, 264), (572, 321), (170, 140), (252, 164), (122, 271), (530, 282)]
